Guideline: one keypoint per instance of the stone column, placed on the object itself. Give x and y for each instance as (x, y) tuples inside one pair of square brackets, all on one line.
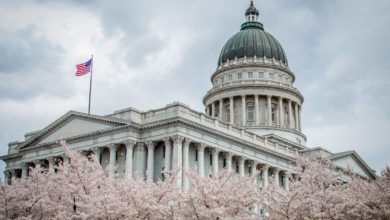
[(257, 110), (296, 116), (276, 176), (229, 157), (254, 174), (96, 153), (140, 159), (231, 109), (281, 120), (129, 159), (265, 170), (215, 161), (285, 180), (200, 149), (51, 163), (24, 170), (269, 110), (241, 169), (186, 163), (213, 109), (208, 110), (299, 118), (220, 109), (6, 177), (243, 110), (150, 163), (65, 160), (290, 116), (168, 150), (112, 148), (177, 158), (253, 169)]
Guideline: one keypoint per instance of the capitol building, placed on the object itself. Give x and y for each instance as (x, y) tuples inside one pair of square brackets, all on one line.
[(251, 125)]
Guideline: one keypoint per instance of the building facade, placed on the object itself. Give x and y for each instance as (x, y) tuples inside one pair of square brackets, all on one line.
[(251, 125)]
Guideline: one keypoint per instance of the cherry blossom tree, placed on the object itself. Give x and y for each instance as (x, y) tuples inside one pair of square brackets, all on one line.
[(81, 189), (319, 193)]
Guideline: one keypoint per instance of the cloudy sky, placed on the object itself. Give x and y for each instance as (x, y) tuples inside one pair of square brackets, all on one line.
[(150, 53)]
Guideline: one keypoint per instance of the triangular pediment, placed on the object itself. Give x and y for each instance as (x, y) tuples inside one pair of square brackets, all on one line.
[(72, 124), (352, 161)]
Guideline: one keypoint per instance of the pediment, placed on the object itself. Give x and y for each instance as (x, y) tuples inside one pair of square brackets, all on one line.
[(350, 160), (70, 125)]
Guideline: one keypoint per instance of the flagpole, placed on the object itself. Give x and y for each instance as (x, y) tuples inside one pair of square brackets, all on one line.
[(90, 88)]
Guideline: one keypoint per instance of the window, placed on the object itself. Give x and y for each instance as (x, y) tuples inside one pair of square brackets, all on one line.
[(250, 75), (227, 110), (280, 78), (196, 155), (261, 75), (250, 111), (274, 108), (230, 77), (271, 76), (211, 159), (239, 75), (222, 80)]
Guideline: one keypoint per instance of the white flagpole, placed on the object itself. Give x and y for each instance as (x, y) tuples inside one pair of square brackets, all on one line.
[(90, 87)]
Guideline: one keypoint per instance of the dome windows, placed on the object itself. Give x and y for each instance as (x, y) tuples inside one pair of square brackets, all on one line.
[(254, 75), (271, 76), (261, 75)]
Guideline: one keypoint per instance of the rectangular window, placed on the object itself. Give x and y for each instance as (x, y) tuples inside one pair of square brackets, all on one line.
[(261, 75), (280, 78), (230, 77), (222, 80), (271, 76), (196, 155), (250, 75), (239, 75)]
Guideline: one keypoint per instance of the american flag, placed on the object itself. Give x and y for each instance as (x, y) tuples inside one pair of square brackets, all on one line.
[(84, 68)]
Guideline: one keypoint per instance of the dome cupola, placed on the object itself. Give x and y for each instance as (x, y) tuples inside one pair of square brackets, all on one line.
[(252, 41)]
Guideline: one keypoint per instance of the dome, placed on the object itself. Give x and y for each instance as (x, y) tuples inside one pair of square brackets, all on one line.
[(252, 41)]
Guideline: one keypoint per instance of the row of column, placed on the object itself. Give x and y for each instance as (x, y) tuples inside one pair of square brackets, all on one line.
[(263, 172), (211, 111), (176, 158)]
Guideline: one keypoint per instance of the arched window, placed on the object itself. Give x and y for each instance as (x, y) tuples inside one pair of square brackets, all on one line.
[(250, 111)]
